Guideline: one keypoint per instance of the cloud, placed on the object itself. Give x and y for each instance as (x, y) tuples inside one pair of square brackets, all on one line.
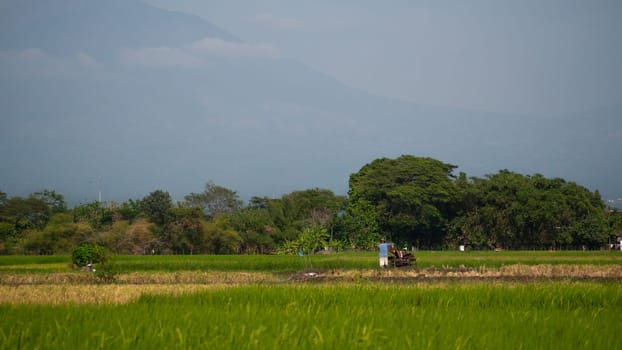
[(86, 60), (38, 62), (161, 57), (35, 61), (277, 23), (31, 54), (196, 55), (193, 56), (219, 47)]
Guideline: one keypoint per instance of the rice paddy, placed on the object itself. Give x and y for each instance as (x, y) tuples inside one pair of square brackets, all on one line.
[(515, 300)]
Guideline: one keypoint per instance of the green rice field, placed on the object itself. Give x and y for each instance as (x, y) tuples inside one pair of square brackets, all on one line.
[(289, 263), (213, 302), (542, 316)]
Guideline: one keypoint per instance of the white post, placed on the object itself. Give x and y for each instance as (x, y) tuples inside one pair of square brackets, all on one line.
[(99, 189)]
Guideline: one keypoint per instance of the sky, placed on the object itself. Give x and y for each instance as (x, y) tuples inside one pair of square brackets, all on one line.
[(544, 57), (286, 95)]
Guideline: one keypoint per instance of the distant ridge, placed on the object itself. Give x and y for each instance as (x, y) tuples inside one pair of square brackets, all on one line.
[(99, 28), (244, 117)]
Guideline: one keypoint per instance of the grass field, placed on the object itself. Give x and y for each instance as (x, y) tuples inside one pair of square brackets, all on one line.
[(541, 316), (289, 263), (473, 300)]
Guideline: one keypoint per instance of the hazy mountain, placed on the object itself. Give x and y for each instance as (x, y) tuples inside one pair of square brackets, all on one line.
[(150, 99), (97, 28)]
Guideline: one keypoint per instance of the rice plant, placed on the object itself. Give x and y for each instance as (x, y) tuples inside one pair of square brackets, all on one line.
[(357, 315), (291, 263)]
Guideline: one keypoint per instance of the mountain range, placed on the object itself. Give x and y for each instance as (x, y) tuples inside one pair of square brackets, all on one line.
[(126, 98)]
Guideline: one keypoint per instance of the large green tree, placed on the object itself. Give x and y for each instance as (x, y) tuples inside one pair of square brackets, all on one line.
[(310, 208), (286, 217), (512, 210), (3, 197), (220, 238), (358, 227), (96, 214), (185, 231), (157, 205), (257, 229), (55, 201), (215, 200), (411, 195), (25, 213), (60, 235), (614, 222)]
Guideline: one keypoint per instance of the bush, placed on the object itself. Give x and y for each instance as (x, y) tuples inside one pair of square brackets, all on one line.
[(88, 254), (106, 273), (98, 257)]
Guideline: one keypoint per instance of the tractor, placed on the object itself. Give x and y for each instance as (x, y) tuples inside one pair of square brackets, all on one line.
[(401, 258)]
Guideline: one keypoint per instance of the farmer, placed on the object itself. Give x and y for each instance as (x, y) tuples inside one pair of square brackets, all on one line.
[(383, 253)]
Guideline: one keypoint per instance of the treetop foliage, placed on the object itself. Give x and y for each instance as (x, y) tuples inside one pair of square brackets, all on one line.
[(215, 200), (412, 201), (410, 195)]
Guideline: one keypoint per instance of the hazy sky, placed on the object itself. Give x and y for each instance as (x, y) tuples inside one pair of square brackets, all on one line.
[(531, 57), (148, 99)]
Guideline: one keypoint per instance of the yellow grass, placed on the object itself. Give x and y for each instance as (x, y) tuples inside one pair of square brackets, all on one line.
[(30, 267), (588, 271), (182, 277), (186, 277), (56, 294), (83, 288), (519, 270)]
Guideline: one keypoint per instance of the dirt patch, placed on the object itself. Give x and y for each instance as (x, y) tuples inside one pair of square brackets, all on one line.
[(309, 275), (511, 273)]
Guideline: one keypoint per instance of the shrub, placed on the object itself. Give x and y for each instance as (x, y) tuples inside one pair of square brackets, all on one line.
[(88, 254), (98, 256)]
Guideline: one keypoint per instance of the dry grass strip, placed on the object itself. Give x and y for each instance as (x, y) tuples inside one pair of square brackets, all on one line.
[(84, 288), (518, 270), (57, 294), (216, 277), (190, 277), (593, 271), (181, 277)]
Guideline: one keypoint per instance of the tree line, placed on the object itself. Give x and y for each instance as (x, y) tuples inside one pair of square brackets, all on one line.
[(412, 201)]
